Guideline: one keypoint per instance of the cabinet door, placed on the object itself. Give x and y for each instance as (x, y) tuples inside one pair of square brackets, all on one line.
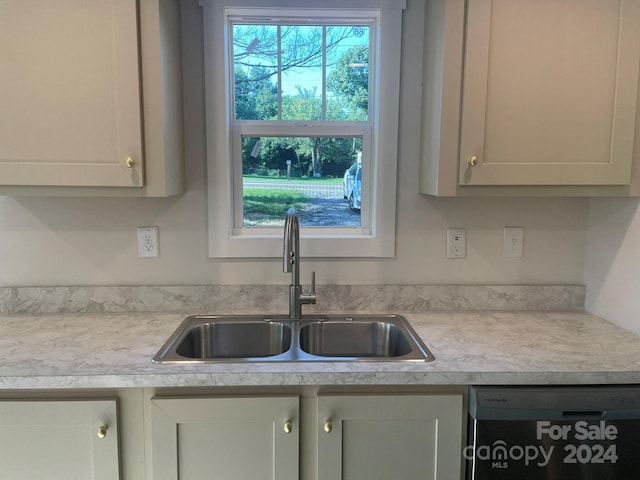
[(226, 438), (70, 103), (59, 440), (389, 437), (550, 92)]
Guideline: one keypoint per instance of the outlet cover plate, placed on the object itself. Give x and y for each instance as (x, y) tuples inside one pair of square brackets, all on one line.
[(513, 242), (148, 242), (456, 242)]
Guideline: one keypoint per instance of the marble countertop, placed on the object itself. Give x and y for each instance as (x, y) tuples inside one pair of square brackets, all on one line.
[(114, 350)]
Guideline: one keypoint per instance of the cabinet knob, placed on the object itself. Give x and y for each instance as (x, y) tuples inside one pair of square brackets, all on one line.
[(130, 162), (102, 431), (328, 426), (473, 161), (288, 426)]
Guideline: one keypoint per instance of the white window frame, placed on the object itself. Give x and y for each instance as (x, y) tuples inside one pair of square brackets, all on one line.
[(375, 237)]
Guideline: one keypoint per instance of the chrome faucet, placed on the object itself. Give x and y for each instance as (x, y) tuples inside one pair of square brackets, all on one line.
[(291, 263)]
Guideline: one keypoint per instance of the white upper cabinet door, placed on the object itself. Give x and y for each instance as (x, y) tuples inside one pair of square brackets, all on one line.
[(70, 103), (549, 92)]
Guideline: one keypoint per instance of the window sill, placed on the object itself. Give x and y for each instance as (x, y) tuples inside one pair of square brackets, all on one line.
[(270, 246)]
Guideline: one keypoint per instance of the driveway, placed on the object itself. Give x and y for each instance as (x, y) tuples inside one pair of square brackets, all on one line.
[(321, 212), (318, 212)]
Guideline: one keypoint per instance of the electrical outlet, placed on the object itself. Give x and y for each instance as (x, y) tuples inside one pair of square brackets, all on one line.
[(148, 238), (513, 241), (456, 242)]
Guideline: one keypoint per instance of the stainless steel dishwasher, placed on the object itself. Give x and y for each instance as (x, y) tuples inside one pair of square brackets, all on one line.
[(554, 433)]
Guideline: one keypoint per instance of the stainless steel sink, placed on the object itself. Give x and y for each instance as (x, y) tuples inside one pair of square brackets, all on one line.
[(354, 339), (363, 337), (235, 340), (204, 338), (212, 338)]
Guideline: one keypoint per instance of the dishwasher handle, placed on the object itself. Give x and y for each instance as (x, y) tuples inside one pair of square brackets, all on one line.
[(586, 414)]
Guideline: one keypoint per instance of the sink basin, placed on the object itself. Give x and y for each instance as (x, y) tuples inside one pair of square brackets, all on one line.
[(363, 337), (212, 338), (354, 339), (202, 338), (235, 340)]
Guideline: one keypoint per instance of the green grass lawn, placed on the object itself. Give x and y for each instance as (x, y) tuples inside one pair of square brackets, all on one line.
[(272, 202)]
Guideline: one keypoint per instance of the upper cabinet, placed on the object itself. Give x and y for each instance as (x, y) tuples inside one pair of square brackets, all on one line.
[(526, 97), (91, 100)]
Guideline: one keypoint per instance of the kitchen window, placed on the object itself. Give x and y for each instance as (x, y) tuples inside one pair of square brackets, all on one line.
[(295, 97)]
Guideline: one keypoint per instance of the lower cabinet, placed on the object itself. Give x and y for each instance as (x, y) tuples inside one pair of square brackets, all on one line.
[(388, 437), (230, 434), (59, 440), (225, 438), (354, 437)]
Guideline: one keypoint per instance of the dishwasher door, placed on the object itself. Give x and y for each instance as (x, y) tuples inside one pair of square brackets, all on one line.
[(554, 433)]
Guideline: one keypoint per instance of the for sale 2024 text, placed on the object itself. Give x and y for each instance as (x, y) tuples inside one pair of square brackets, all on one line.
[(583, 442), (583, 431)]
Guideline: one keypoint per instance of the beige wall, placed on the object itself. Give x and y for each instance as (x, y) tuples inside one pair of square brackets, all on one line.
[(71, 241), (613, 255)]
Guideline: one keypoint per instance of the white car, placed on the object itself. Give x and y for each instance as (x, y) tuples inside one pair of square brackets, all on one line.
[(353, 185)]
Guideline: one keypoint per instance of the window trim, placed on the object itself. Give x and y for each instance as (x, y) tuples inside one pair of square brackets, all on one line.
[(379, 238)]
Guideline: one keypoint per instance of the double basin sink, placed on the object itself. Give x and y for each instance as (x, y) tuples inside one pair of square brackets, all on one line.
[(254, 338)]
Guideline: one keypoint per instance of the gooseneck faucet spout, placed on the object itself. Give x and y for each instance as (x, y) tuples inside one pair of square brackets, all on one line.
[(291, 263), (291, 246)]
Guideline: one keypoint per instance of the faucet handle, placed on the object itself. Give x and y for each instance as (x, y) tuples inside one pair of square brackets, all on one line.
[(310, 297)]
